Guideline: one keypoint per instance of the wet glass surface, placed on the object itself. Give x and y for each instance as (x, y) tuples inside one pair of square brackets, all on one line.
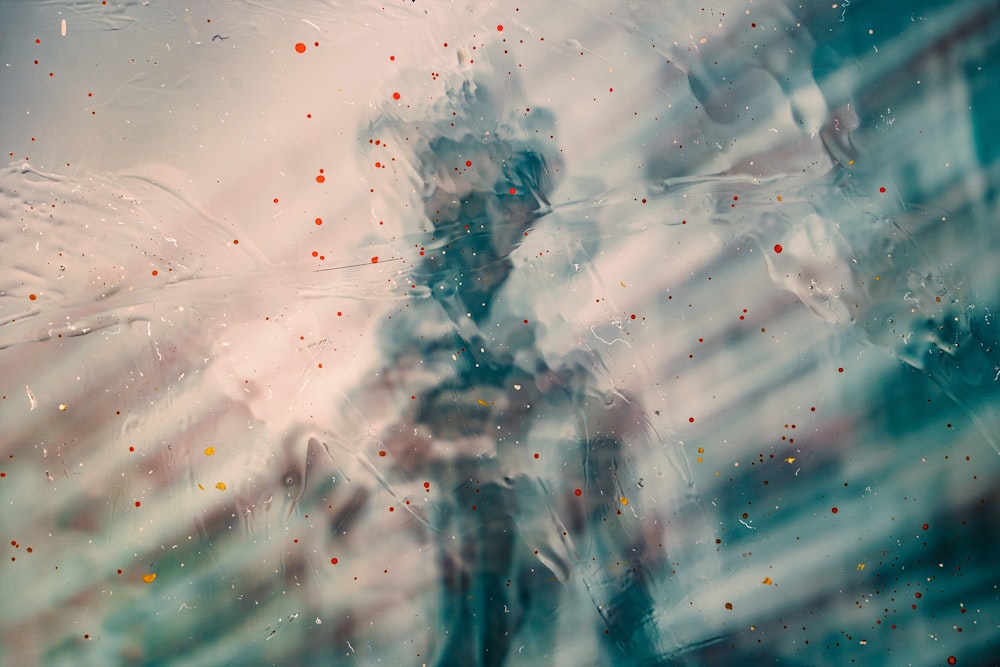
[(591, 333)]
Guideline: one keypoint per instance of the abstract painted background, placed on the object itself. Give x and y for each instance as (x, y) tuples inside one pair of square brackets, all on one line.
[(456, 333)]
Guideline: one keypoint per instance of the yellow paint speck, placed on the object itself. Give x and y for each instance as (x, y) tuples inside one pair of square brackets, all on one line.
[(701, 450), (220, 486), (850, 162), (779, 197), (149, 578), (482, 403), (861, 566), (622, 284), (201, 487), (209, 451), (767, 581), (624, 500), (790, 459), (62, 407)]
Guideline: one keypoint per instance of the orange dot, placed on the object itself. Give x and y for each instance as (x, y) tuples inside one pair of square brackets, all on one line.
[(300, 47), (319, 221), (395, 96), (32, 296), (375, 259), (321, 178), (156, 273)]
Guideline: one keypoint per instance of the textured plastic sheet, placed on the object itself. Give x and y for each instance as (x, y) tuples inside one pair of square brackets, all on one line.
[(455, 333)]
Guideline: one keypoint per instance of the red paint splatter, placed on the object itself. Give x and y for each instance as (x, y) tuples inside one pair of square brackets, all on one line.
[(536, 455), (334, 560), (691, 419), (513, 191), (925, 527), (881, 190), (578, 492), (834, 510), (778, 248), (32, 296), (375, 259), (300, 48), (395, 96), (952, 660), (499, 28), (137, 503), (319, 221)]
